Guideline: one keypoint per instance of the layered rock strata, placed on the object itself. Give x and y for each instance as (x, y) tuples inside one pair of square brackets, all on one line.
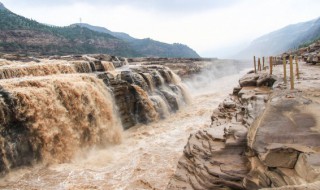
[(259, 138)]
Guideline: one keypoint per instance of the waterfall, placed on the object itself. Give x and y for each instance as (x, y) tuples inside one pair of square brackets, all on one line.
[(148, 78), (184, 89), (83, 66), (157, 78), (51, 109), (161, 105), (126, 61), (145, 110), (37, 69), (108, 66), (54, 117)]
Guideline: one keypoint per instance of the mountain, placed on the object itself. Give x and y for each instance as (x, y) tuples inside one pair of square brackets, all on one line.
[(22, 35), (147, 46), (287, 38), (2, 7), (119, 35)]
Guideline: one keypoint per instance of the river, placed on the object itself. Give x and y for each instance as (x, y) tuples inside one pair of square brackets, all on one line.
[(148, 154)]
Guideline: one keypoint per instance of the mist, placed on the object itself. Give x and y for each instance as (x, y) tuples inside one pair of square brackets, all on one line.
[(212, 78)]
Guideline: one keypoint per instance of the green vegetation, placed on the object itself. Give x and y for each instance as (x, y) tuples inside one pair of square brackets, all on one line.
[(308, 43), (154, 48), (22, 35), (147, 46), (11, 21)]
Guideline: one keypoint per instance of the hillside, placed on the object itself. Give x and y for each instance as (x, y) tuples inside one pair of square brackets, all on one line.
[(25, 36), (120, 35), (147, 46), (21, 35), (289, 37)]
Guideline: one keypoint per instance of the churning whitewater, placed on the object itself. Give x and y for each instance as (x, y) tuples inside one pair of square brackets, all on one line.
[(70, 116)]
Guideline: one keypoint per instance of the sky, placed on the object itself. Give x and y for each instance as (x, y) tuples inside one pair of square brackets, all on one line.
[(213, 28)]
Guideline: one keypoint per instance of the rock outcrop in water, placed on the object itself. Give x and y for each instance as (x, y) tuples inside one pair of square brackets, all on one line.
[(145, 94), (50, 108), (258, 138)]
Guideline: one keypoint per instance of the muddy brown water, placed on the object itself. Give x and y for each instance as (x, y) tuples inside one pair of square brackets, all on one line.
[(146, 158)]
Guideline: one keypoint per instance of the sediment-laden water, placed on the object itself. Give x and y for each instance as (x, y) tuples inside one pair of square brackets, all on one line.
[(148, 153)]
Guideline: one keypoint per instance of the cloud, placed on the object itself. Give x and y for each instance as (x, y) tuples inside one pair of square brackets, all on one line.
[(164, 6), (211, 27)]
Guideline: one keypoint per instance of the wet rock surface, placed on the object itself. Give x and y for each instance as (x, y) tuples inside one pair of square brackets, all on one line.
[(52, 107), (260, 137)]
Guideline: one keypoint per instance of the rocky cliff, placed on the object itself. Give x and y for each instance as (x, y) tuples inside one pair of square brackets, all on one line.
[(260, 137)]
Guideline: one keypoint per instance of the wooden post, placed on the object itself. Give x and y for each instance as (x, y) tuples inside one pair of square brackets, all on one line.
[(263, 63), (284, 70), (259, 64), (270, 64), (291, 73), (297, 68), (255, 65)]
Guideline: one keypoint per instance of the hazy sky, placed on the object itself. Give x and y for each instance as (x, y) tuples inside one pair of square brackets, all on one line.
[(211, 27)]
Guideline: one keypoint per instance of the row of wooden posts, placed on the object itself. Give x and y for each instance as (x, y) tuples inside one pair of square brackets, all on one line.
[(273, 60)]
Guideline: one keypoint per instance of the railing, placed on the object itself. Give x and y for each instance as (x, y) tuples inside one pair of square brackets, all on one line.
[(273, 61)]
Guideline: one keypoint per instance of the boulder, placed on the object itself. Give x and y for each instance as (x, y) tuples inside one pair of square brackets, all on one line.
[(249, 80), (280, 157), (236, 90), (255, 79), (228, 103), (288, 142), (296, 119), (266, 80)]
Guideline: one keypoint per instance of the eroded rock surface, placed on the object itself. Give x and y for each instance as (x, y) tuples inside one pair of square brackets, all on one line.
[(259, 138), (261, 79)]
